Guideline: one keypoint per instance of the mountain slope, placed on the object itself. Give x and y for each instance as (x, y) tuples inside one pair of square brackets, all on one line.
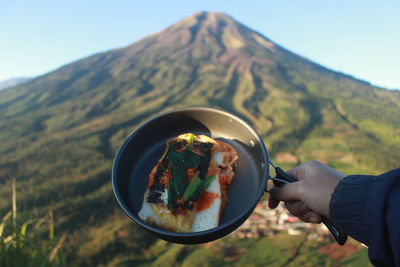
[(61, 130), (12, 82)]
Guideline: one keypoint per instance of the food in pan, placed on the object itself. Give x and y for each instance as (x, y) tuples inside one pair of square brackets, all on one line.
[(187, 188)]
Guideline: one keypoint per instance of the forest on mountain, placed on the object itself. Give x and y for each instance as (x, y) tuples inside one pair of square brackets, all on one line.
[(60, 132)]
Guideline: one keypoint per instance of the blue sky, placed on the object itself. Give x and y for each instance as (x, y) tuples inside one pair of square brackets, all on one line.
[(360, 38)]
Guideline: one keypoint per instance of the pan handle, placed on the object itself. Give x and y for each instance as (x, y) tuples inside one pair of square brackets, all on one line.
[(282, 178)]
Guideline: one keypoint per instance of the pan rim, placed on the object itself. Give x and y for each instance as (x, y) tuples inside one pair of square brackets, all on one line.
[(134, 217)]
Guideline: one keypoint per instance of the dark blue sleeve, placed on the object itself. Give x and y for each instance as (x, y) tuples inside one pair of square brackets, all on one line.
[(367, 208)]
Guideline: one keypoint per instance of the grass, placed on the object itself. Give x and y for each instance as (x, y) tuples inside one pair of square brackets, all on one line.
[(25, 245), (359, 259)]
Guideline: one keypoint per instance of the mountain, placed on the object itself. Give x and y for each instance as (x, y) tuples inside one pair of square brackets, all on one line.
[(60, 131), (12, 82)]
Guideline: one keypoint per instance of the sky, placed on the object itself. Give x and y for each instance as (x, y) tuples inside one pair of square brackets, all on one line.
[(359, 38)]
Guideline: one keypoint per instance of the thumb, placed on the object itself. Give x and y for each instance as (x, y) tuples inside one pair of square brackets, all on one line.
[(288, 192), (298, 172)]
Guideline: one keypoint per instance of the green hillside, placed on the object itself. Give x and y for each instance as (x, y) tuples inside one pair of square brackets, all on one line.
[(60, 131)]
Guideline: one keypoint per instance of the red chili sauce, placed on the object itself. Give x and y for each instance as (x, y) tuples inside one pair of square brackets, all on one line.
[(206, 200)]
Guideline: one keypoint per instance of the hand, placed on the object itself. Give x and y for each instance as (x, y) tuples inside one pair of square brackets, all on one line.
[(309, 197)]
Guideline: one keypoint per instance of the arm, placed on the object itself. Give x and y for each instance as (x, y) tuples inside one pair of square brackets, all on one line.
[(365, 207)]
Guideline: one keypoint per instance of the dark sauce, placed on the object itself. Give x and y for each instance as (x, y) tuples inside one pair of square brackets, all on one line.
[(205, 148), (179, 145), (154, 197), (157, 188)]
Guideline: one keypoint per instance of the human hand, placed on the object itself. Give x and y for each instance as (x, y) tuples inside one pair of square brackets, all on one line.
[(309, 197)]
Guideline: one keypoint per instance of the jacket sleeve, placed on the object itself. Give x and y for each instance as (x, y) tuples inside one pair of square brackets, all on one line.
[(367, 208)]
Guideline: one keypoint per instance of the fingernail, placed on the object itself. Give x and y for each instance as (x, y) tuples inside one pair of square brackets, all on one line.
[(314, 219)]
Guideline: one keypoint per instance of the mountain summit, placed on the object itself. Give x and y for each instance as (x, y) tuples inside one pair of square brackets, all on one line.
[(60, 131), (216, 34)]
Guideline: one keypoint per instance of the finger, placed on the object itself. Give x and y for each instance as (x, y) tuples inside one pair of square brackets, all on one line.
[(298, 172), (273, 202), (288, 192), (297, 208), (311, 217)]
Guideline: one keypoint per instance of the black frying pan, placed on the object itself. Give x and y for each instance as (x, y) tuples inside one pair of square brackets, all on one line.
[(142, 149)]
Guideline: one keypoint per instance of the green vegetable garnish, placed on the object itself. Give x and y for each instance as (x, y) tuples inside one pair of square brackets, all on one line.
[(179, 163), (191, 140), (196, 186), (171, 196)]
